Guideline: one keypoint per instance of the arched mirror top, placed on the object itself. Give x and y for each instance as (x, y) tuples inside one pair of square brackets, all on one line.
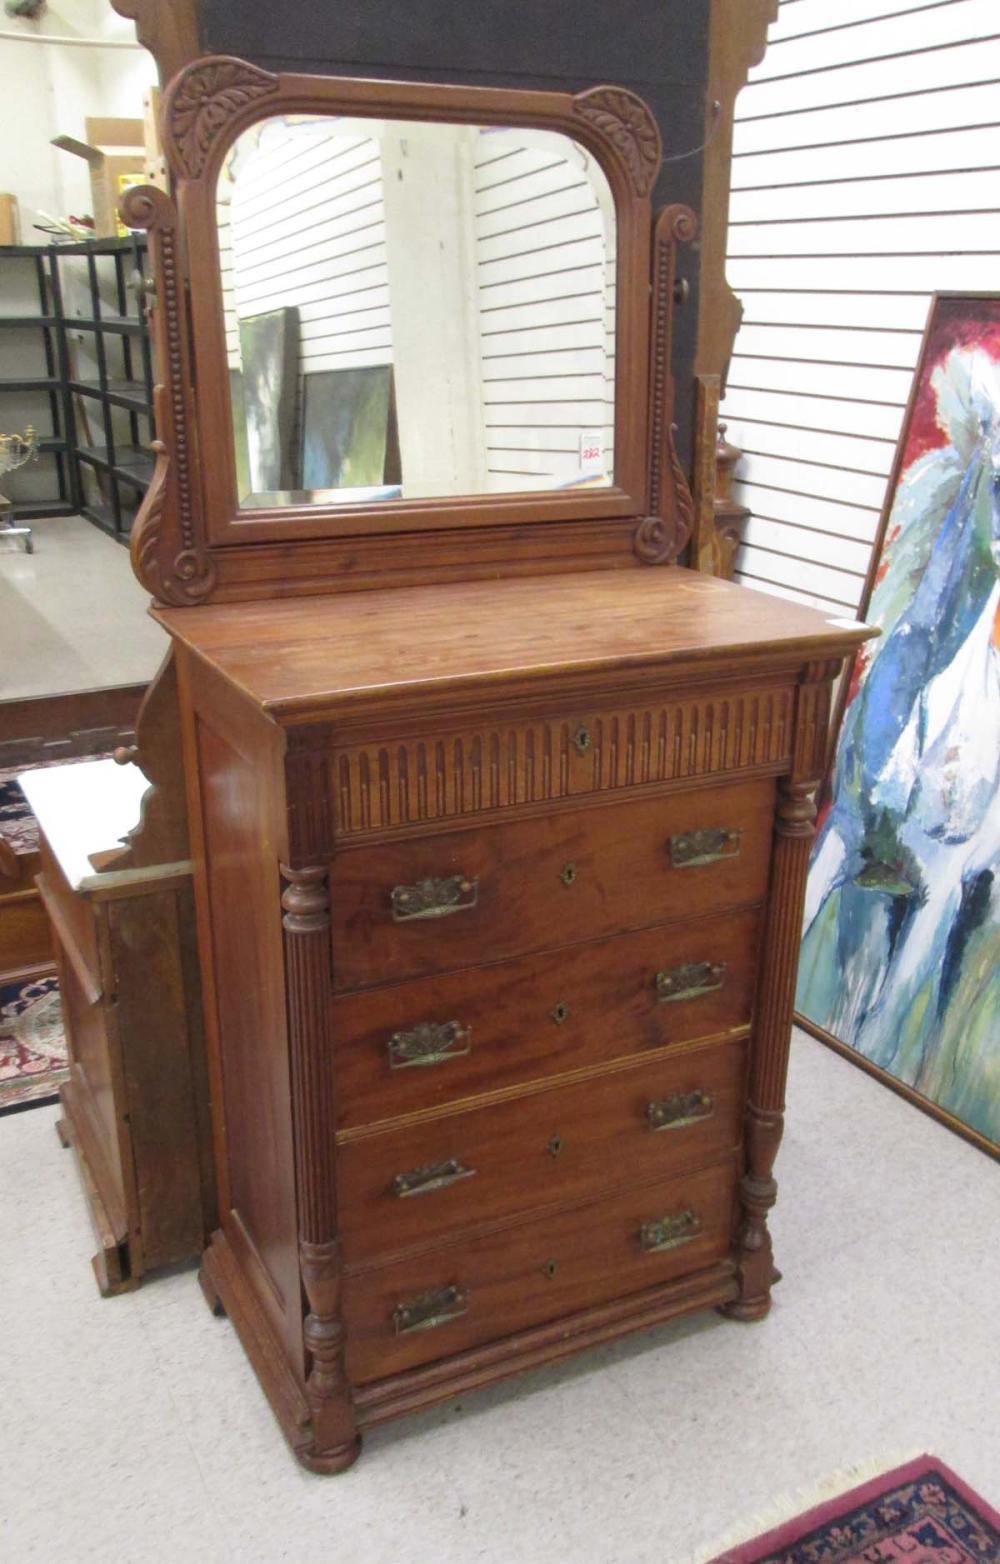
[(414, 309)]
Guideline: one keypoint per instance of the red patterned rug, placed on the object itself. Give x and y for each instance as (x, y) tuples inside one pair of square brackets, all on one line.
[(919, 1514), (32, 1045)]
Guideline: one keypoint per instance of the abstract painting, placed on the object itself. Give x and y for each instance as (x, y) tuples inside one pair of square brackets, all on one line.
[(349, 433), (901, 949), (269, 355)]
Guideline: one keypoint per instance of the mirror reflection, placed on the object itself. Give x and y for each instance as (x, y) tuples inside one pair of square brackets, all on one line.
[(415, 310)]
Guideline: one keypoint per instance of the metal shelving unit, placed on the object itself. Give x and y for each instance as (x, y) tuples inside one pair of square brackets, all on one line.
[(100, 415), (47, 321), (118, 451)]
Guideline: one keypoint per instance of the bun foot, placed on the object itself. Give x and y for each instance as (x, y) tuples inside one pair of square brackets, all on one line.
[(328, 1462), (746, 1309), (212, 1298)]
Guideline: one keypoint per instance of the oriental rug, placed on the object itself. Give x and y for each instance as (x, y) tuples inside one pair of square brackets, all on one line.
[(33, 1061), (17, 823), (920, 1513)]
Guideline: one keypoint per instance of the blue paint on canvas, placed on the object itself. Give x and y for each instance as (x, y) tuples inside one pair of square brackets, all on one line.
[(901, 950)]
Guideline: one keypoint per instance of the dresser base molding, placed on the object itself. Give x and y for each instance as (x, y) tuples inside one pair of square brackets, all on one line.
[(226, 1291), (111, 1262)]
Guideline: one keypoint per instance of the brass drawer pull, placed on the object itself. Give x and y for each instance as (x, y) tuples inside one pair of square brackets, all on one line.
[(669, 1232), (582, 739), (676, 1113), (437, 1175), (690, 981), (434, 898), (432, 1042), (693, 848), (429, 1309)]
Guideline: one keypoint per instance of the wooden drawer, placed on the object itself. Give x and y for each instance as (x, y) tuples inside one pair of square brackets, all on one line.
[(521, 1276), (540, 883), (541, 1015), (422, 1182)]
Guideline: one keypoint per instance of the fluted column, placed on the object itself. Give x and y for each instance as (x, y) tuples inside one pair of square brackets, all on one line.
[(795, 815), (306, 907)]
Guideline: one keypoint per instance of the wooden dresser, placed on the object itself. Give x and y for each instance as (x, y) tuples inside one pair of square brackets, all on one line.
[(499, 816), (501, 884)]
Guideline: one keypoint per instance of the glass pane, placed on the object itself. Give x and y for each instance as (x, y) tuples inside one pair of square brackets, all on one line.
[(416, 311)]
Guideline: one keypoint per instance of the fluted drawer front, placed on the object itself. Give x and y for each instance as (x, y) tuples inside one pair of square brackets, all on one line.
[(434, 1040), (498, 766), (436, 904), (423, 1181), (466, 1293)]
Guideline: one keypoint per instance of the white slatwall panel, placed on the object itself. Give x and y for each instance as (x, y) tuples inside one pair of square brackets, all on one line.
[(866, 175), (541, 252), (311, 234)]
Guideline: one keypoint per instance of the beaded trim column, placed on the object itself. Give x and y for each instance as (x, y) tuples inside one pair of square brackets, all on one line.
[(306, 921), (795, 815)]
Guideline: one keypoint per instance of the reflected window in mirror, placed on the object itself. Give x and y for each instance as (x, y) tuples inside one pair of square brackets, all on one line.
[(416, 310)]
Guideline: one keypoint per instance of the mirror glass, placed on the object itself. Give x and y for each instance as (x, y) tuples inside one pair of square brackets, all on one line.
[(415, 310)]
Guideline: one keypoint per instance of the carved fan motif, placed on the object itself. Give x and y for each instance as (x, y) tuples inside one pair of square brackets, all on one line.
[(627, 123), (204, 101)]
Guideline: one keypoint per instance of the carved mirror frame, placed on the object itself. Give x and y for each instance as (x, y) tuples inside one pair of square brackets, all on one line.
[(192, 542)]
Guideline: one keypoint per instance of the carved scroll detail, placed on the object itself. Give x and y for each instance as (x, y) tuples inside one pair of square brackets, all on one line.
[(168, 554), (201, 103), (625, 121), (660, 536)]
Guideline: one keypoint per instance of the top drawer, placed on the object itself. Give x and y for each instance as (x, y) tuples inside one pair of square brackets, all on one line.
[(438, 903)]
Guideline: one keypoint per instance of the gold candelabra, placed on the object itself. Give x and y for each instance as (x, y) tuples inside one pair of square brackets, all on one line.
[(15, 451)]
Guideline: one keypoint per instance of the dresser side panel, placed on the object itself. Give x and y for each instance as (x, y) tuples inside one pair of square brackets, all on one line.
[(237, 840)]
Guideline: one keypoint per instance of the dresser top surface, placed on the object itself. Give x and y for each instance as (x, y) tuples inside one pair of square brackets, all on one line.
[(303, 655)]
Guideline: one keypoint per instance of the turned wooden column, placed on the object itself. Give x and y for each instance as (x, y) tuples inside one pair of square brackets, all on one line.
[(306, 907), (730, 516), (795, 815)]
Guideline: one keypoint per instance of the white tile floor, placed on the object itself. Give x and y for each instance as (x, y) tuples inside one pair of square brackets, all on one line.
[(72, 614), (132, 1429)]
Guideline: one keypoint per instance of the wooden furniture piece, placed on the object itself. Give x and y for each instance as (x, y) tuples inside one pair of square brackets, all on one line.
[(135, 1105), (500, 838), (25, 940)]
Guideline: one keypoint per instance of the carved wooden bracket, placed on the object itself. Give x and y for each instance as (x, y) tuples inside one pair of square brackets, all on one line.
[(626, 124), (200, 104), (168, 549), (661, 535)]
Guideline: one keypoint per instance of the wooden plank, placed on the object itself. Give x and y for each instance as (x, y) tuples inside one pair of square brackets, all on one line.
[(874, 311), (899, 113), (853, 198), (914, 153), (825, 483), (951, 66), (966, 231), (878, 37), (522, 211), (821, 548), (799, 411), (842, 452), (942, 270), (828, 344), (832, 380), (808, 599), (838, 586), (846, 521), (811, 16)]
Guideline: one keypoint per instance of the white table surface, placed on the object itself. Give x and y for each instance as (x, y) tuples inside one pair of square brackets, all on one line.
[(84, 807)]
